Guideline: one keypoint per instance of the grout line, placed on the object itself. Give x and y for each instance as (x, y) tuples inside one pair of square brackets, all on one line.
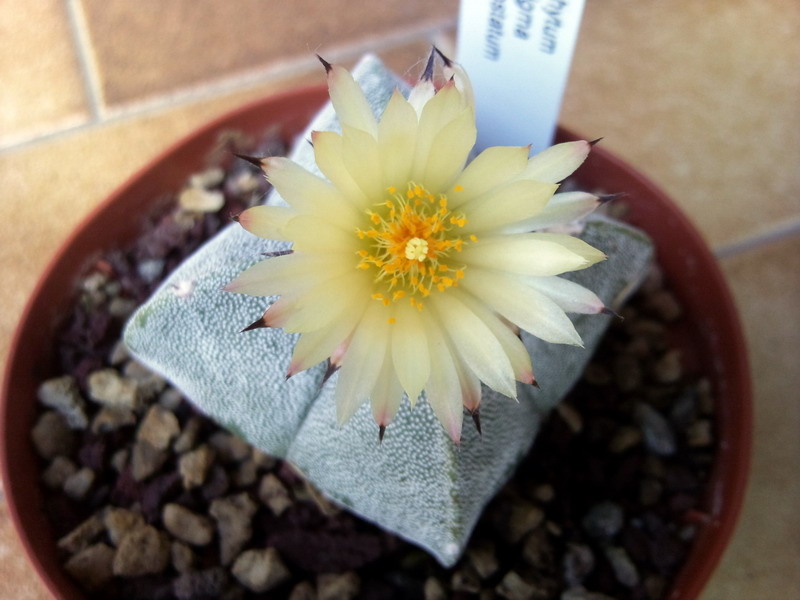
[(777, 233), (86, 58), (215, 89)]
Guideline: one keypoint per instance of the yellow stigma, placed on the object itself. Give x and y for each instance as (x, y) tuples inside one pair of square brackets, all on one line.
[(407, 243), (416, 249)]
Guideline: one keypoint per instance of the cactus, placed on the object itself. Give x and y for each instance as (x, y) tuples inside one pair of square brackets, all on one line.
[(416, 482)]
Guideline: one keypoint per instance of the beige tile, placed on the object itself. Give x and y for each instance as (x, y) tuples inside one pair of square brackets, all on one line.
[(702, 97), (762, 560), (152, 47), (41, 88), (17, 579)]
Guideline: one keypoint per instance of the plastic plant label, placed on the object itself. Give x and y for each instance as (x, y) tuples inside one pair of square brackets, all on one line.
[(518, 54)]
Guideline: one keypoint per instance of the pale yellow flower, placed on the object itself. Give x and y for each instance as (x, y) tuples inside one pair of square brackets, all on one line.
[(411, 271)]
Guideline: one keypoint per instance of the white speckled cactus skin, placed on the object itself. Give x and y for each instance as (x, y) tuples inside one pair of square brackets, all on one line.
[(417, 483)]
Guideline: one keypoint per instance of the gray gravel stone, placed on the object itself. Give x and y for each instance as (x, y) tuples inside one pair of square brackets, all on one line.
[(260, 570), (233, 515), (209, 583), (465, 580), (658, 435), (604, 520), (523, 518), (483, 558), (62, 394), (149, 384), (52, 436), (578, 563), (622, 565), (186, 525), (143, 550)]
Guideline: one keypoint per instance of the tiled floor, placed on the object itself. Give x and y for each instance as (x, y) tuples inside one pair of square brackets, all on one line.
[(702, 97)]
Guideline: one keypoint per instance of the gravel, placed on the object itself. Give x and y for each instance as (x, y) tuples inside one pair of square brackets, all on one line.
[(149, 499)]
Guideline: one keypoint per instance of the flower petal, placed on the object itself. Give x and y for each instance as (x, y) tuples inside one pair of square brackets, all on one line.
[(397, 135), (570, 296), (562, 208), (521, 304), (475, 344), (420, 94), (319, 306), (387, 394), (266, 221), (556, 163), (524, 254), (306, 192), (437, 113), (410, 352), (348, 100), (362, 364), (315, 346), (443, 390), (448, 153), (492, 167), (516, 351), (311, 233), (288, 274), (591, 254), (328, 154), (361, 158), (507, 204)]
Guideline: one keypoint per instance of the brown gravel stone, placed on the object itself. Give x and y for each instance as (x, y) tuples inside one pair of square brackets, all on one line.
[(92, 566), (107, 387), (57, 472), (187, 526), (158, 428), (183, 559), (514, 587), (52, 436), (260, 570), (233, 515), (274, 494), (119, 521), (111, 418), (144, 550), (83, 535), (338, 586), (193, 466), (146, 460), (79, 483)]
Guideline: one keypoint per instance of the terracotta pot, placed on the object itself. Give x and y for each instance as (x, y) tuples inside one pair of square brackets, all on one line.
[(710, 337)]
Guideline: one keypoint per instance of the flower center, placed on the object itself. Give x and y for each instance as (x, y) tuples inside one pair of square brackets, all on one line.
[(416, 249), (410, 245)]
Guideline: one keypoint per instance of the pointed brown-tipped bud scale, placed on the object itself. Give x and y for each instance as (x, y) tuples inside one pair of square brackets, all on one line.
[(253, 160), (595, 141), (476, 420), (332, 368), (427, 74), (258, 324), (328, 66), (381, 432), (605, 198), (275, 253), (608, 311), (447, 62)]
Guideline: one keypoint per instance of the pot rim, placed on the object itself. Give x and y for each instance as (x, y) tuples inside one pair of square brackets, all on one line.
[(21, 475)]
